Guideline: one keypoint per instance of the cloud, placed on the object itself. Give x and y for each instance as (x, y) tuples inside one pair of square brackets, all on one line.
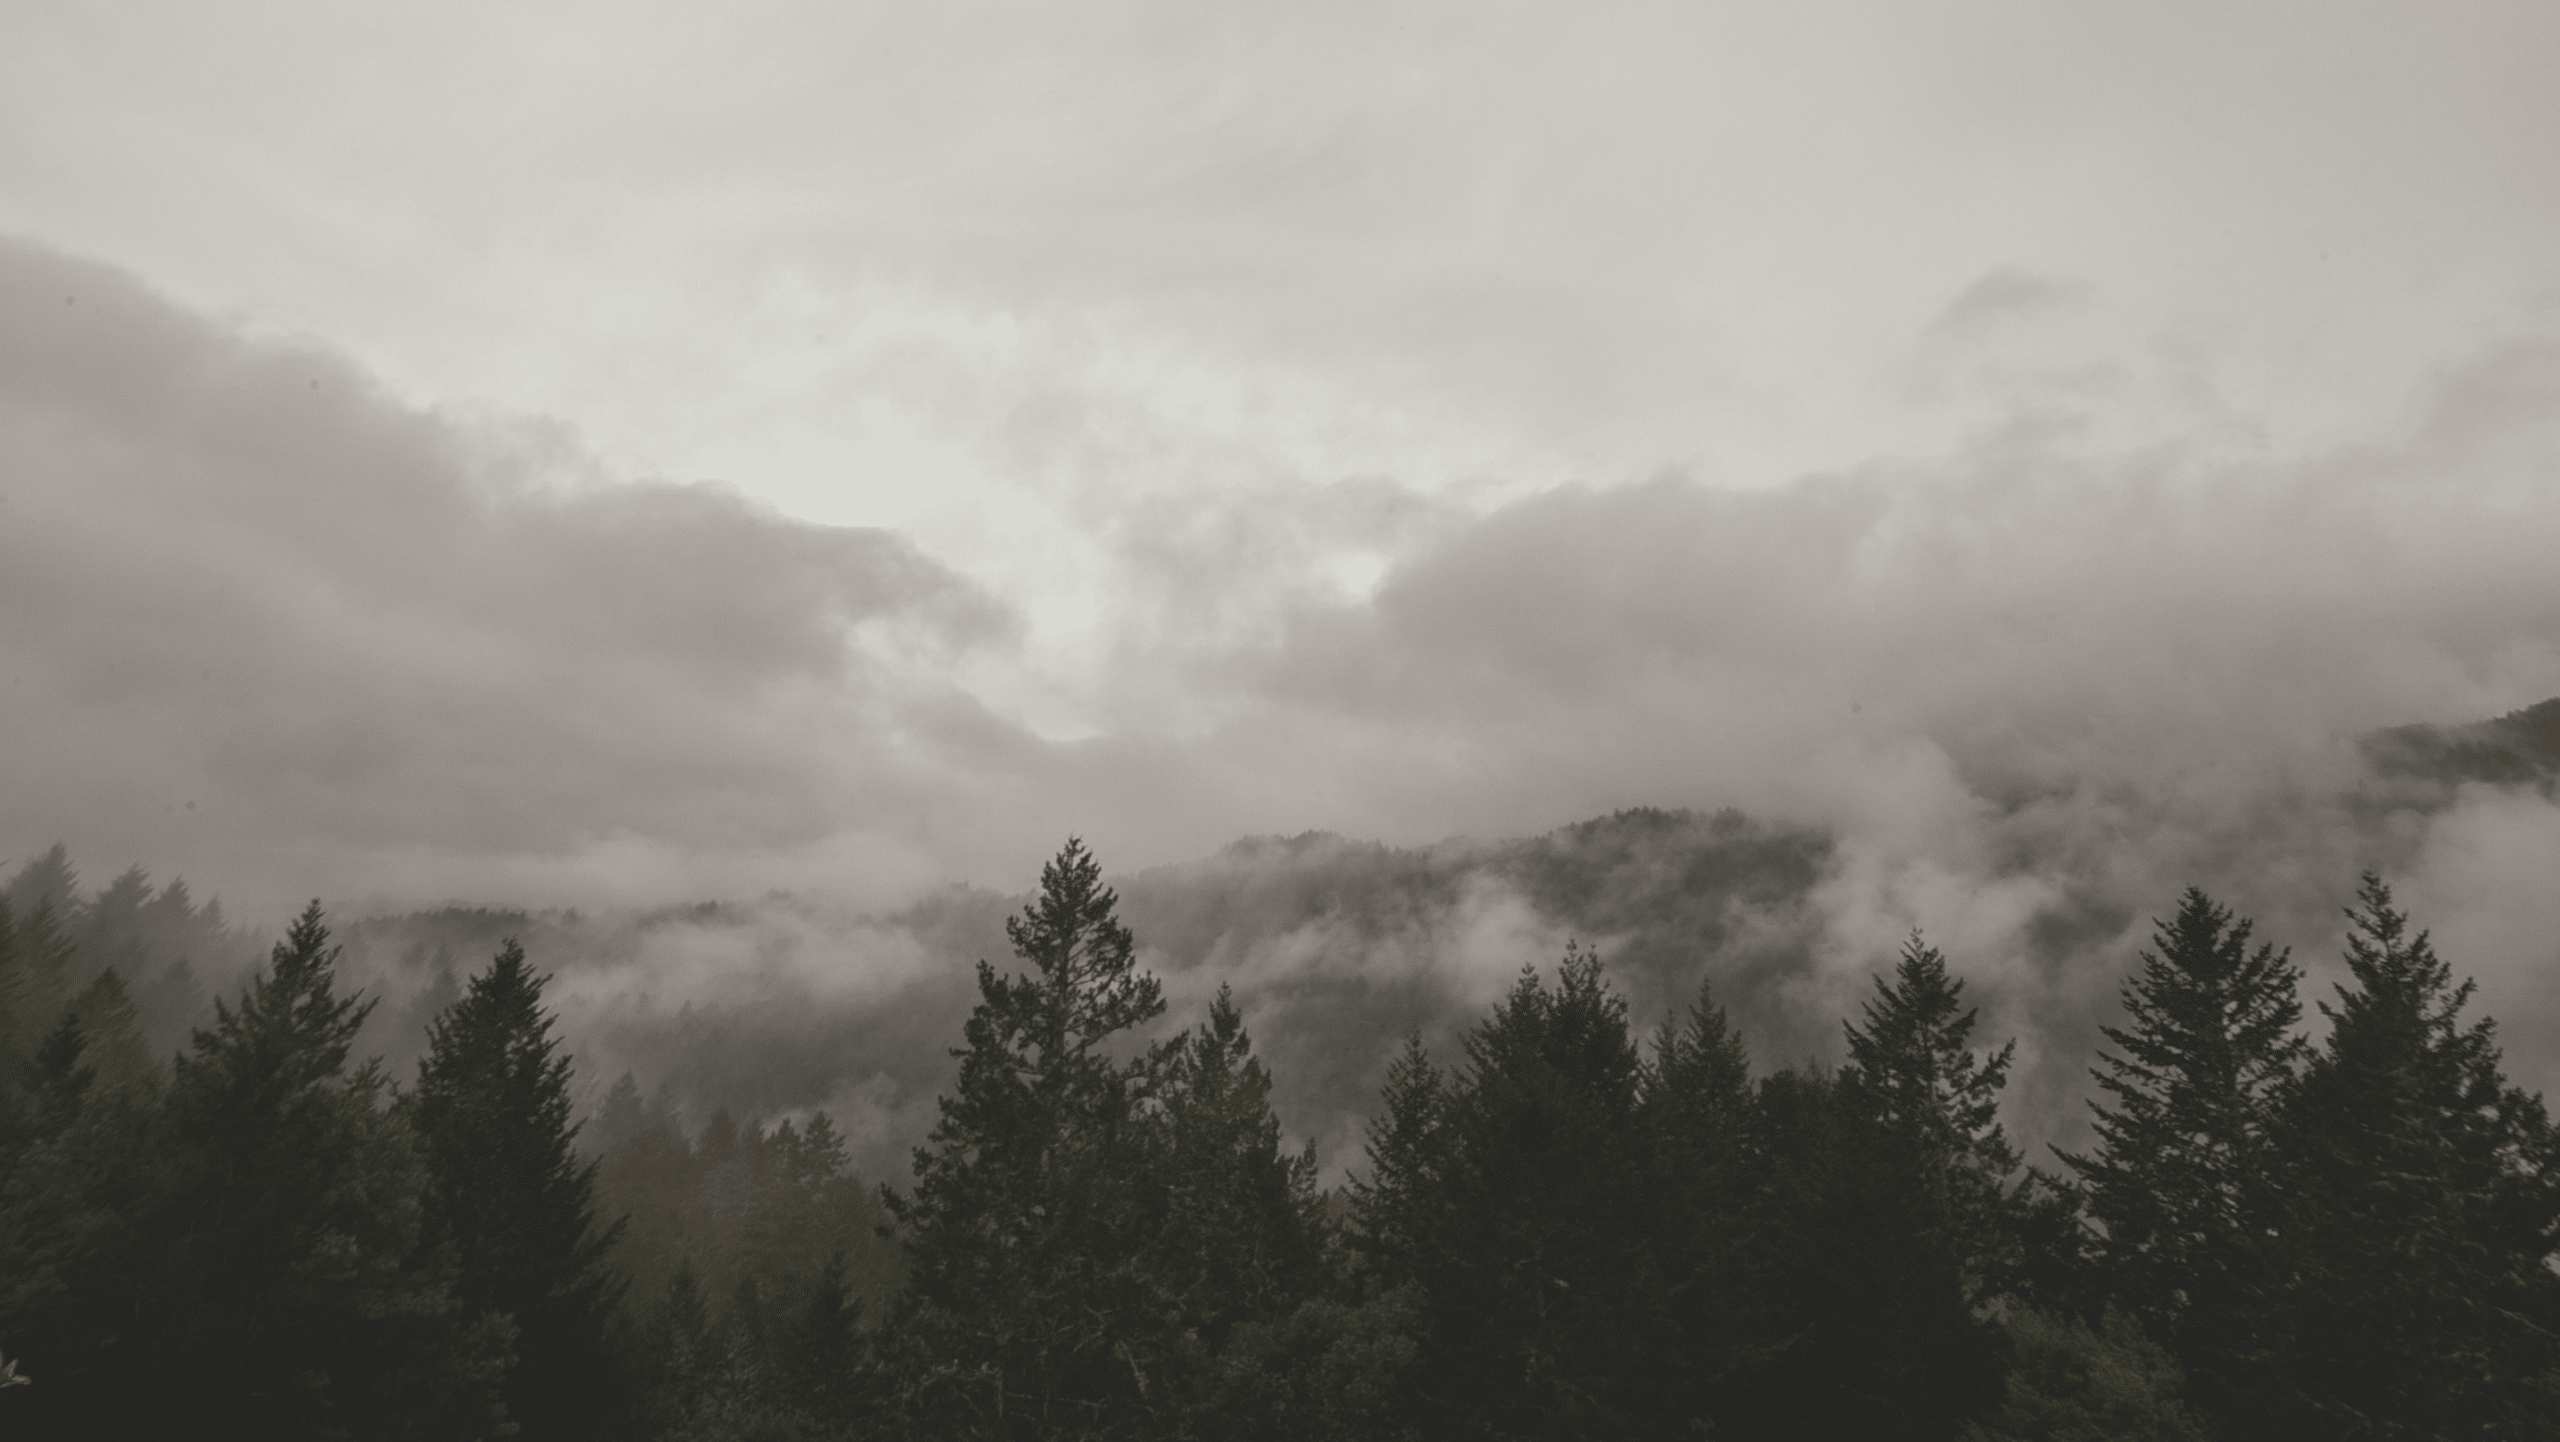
[(2045, 613), (264, 622)]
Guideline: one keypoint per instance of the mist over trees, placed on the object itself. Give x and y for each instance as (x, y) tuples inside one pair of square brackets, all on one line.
[(379, 1188)]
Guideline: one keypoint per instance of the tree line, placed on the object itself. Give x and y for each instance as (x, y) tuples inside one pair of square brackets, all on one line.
[(1565, 1230)]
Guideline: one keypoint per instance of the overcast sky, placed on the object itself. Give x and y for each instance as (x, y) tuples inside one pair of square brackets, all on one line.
[(575, 454)]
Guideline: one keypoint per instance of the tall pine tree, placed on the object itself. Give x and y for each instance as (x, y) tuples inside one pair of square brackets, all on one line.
[(295, 1299), (1027, 1313), (76, 1253), (1244, 1233), (1913, 1072), (508, 1193), (2182, 1179), (1394, 1208), (1696, 1112), (2424, 1213), (1858, 1316), (1532, 1237), (1881, 1226)]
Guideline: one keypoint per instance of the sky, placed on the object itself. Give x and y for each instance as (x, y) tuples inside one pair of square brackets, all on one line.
[(586, 455)]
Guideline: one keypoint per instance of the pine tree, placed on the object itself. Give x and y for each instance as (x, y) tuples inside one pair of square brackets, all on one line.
[(75, 1253), (507, 1191), (110, 924), (1393, 1208), (1859, 1319), (47, 881), (1696, 1113), (59, 1079), (44, 957), (817, 1376), (1026, 1313), (2424, 1212), (295, 1299), (2182, 1176), (13, 1042), (106, 1015), (1244, 1234), (1913, 1073), (1534, 1247)]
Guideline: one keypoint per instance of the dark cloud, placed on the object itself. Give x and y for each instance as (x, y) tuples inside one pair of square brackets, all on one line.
[(376, 649)]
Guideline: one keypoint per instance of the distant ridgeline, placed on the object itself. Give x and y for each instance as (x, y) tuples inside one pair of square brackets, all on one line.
[(1521, 1193), (2521, 748)]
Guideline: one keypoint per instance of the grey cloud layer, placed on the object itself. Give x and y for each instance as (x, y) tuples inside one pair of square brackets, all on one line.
[(261, 617)]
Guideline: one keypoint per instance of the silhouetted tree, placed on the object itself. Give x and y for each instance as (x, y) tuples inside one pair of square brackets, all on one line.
[(1243, 1238), (1394, 1208), (1533, 1243), (1696, 1114), (1027, 1313), (106, 1015), (77, 1178), (2424, 1213), (1913, 1073), (44, 951), (2182, 1179), (296, 1300), (48, 881), (1860, 1321), (508, 1193)]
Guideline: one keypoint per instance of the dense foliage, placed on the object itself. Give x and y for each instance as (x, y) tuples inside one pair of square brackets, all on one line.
[(1562, 1230)]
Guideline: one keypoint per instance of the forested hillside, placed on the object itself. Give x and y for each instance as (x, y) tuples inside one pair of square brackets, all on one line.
[(1559, 1226), (1574, 1136)]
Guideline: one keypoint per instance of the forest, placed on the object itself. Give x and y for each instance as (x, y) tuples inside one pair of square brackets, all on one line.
[(223, 1214)]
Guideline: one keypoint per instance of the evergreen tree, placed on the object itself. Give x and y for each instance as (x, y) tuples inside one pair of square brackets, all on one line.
[(75, 1254), (1393, 1209), (13, 1041), (106, 1016), (44, 953), (47, 881), (817, 1374), (295, 1299), (1696, 1113), (2182, 1176), (1859, 1320), (1026, 1312), (2424, 1215), (1913, 1073), (692, 1387), (1243, 1238), (1533, 1246), (646, 1176), (110, 929), (506, 1190), (59, 1080)]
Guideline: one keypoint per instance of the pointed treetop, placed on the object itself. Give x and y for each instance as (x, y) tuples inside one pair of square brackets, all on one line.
[(290, 1028), (47, 879), (2393, 967), (1088, 986), (1914, 1061)]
